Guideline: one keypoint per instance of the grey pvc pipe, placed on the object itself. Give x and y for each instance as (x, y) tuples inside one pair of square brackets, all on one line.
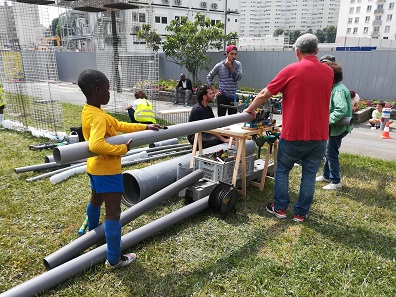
[(345, 121), (59, 274), (141, 183), (164, 142), (38, 167), (71, 152), (48, 174), (50, 158), (79, 245)]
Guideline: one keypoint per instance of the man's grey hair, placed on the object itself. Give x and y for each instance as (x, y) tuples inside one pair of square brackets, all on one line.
[(307, 43)]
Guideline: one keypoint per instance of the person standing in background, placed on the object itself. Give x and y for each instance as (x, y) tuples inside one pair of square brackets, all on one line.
[(229, 72), (340, 106)]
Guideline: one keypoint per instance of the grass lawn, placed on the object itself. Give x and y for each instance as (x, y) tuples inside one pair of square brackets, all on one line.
[(346, 248)]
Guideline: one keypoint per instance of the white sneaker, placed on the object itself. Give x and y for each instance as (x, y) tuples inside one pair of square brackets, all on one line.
[(125, 260), (333, 186), (321, 178)]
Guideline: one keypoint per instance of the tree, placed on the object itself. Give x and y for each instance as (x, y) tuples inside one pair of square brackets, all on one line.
[(152, 38), (321, 37), (189, 41), (55, 27), (330, 33), (278, 32)]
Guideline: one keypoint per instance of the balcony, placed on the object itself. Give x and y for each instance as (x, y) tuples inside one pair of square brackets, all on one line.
[(379, 11), (377, 23), (374, 34), (381, 1)]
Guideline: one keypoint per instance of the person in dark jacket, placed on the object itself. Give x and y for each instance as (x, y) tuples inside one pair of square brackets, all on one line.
[(183, 87), (202, 111)]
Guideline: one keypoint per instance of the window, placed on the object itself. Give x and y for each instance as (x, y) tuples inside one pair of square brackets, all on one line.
[(350, 20), (355, 30), (142, 17), (367, 20), (392, 5), (352, 1), (387, 29), (358, 9), (389, 17), (157, 19), (369, 7), (378, 17), (380, 6), (212, 22), (351, 9), (376, 29), (365, 29), (164, 20), (348, 30), (356, 20)]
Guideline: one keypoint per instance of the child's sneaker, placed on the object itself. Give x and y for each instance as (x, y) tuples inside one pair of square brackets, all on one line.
[(299, 219), (279, 213), (124, 261)]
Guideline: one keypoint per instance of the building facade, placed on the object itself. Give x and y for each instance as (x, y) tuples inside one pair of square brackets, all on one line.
[(366, 19), (262, 17)]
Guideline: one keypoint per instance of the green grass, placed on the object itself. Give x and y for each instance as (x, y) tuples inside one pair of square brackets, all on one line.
[(346, 248)]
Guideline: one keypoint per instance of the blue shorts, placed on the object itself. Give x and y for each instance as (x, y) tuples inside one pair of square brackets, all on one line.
[(107, 183)]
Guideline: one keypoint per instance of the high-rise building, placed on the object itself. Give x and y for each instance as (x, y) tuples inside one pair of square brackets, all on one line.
[(366, 19), (262, 17)]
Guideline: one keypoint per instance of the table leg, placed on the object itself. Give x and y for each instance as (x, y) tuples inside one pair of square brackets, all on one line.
[(241, 156), (197, 140), (265, 169)]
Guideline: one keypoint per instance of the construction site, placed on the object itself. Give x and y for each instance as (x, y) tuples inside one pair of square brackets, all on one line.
[(30, 40)]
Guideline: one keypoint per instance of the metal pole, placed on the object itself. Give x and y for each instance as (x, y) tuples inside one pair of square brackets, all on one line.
[(54, 277), (71, 152)]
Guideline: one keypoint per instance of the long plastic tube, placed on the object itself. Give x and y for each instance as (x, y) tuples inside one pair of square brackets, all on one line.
[(50, 158), (125, 161), (53, 277), (141, 183), (68, 153), (81, 244), (43, 166)]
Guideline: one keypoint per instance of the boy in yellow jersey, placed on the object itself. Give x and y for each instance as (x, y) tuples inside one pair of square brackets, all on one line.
[(104, 170)]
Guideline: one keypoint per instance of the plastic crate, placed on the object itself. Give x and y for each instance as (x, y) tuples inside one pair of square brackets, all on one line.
[(217, 171)]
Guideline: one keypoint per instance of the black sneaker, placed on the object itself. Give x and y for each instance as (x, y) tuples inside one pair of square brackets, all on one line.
[(279, 213), (175, 102)]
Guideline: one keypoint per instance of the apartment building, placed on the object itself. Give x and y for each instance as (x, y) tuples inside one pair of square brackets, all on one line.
[(262, 17), (366, 19), (226, 11)]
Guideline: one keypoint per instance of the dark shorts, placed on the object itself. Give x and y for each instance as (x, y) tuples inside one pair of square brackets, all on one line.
[(107, 183)]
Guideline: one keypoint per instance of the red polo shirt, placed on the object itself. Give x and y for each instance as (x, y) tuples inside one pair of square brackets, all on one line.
[(306, 88)]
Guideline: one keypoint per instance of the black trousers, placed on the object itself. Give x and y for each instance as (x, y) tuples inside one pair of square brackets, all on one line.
[(221, 111)]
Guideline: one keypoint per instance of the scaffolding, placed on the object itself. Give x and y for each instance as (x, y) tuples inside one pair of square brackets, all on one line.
[(26, 72), (28, 50)]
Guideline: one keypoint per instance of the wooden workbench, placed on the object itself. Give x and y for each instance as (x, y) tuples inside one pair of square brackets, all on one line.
[(240, 134)]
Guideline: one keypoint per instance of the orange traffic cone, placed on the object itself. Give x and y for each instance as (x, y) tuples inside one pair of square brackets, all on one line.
[(385, 133)]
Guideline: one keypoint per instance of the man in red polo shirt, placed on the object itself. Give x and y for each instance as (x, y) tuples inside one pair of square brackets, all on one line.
[(306, 86)]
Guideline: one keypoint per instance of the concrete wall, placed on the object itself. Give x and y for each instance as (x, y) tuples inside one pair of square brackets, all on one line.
[(370, 74)]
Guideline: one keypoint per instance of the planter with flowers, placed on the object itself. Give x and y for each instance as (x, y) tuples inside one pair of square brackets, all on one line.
[(366, 108)]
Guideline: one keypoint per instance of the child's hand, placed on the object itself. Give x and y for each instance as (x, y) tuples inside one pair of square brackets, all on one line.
[(153, 127)]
